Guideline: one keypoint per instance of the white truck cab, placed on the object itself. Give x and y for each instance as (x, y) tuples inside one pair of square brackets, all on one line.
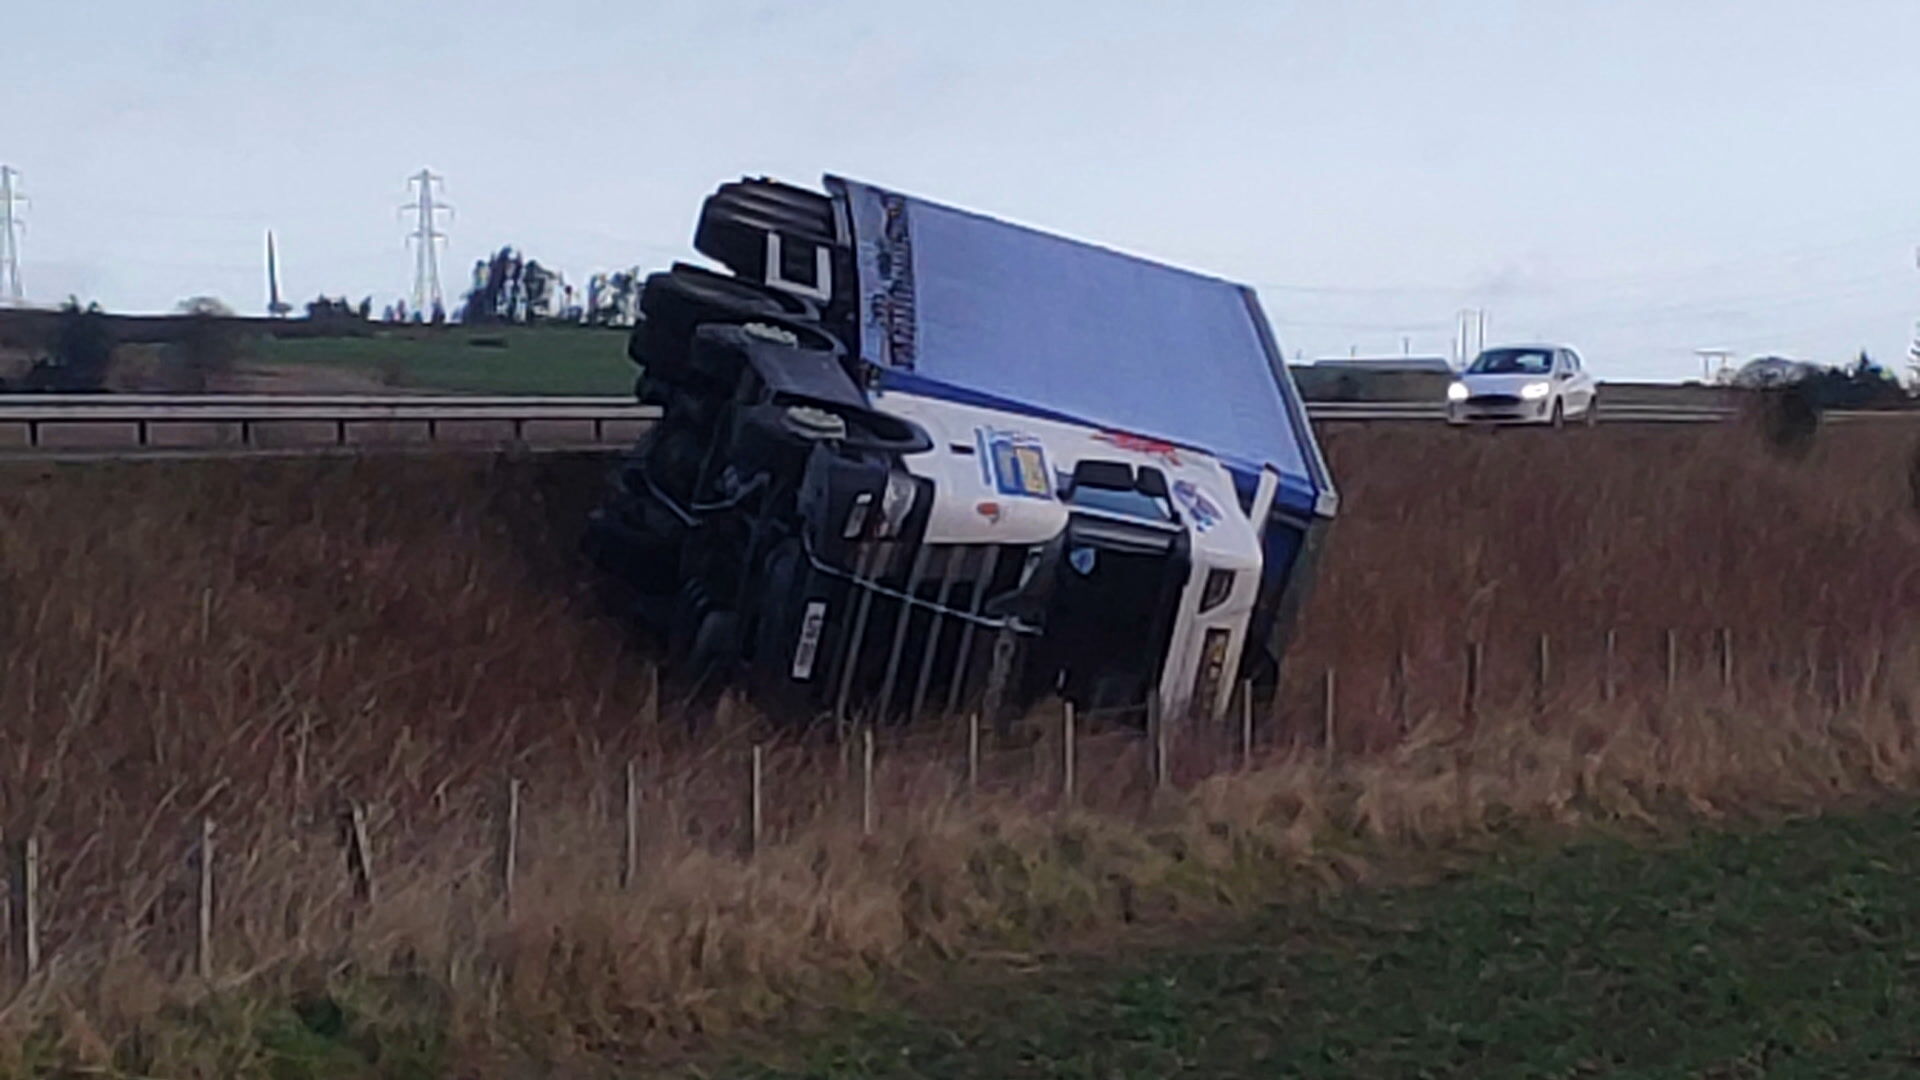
[(1005, 479)]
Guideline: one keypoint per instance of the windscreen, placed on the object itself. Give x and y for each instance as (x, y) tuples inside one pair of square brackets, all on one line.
[(964, 306), (1513, 362)]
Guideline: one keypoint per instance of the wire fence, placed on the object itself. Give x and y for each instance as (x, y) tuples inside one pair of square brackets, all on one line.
[(327, 867)]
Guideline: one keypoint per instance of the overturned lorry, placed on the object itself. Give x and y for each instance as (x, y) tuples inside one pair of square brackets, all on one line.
[(913, 460)]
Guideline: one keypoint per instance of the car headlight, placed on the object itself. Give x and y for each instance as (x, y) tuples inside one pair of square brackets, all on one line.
[(1534, 391), (1457, 392)]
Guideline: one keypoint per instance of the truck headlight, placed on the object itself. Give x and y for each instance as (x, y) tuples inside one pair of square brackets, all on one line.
[(1215, 591), (896, 503), (1457, 391), (1534, 391)]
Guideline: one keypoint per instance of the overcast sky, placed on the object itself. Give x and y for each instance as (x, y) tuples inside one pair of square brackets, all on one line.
[(1640, 179)]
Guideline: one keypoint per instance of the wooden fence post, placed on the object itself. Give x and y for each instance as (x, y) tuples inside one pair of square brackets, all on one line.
[(1066, 755), (1156, 742), (630, 828), (1840, 689), (866, 780), (1470, 691), (1246, 724), (26, 903), (973, 752), (1542, 672), (203, 940), (1329, 707), (7, 903), (359, 854), (1609, 685), (1401, 719), (510, 843), (756, 799)]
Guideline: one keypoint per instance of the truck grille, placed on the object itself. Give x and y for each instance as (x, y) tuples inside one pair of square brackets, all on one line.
[(919, 635)]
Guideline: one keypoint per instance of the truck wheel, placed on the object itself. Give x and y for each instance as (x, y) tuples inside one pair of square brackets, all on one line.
[(811, 205), (718, 352), (675, 303), (734, 232)]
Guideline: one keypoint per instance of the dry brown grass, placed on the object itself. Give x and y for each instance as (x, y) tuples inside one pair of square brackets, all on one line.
[(261, 642)]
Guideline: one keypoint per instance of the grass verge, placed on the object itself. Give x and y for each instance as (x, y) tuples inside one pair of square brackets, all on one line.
[(1788, 951), (485, 360), (265, 645)]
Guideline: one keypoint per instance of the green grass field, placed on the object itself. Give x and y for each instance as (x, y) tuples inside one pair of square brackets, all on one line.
[(1794, 952), (566, 360)]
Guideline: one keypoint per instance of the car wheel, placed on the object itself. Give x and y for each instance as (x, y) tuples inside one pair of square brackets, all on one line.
[(1592, 416), (1559, 415)]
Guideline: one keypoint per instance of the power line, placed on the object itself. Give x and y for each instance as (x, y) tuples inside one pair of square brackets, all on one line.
[(10, 223), (427, 238)]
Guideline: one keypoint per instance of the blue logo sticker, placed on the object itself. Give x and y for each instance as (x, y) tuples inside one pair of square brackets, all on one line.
[(1201, 509), (1013, 463), (1082, 559)]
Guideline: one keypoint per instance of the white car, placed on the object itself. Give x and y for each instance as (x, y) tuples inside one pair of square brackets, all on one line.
[(1524, 384)]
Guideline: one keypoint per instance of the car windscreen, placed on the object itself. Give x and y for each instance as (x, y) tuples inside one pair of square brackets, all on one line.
[(1513, 362)]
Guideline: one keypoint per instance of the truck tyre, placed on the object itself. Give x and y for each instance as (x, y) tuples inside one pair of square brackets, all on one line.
[(736, 235), (817, 207), (717, 355), (677, 302)]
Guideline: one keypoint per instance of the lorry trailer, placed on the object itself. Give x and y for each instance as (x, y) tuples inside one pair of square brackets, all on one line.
[(914, 460)]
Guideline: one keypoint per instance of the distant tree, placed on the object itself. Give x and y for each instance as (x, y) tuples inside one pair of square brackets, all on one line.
[(82, 352), (323, 308), (613, 299), (208, 345), (540, 288), (205, 307), (366, 309), (439, 317), (1861, 384), (508, 287)]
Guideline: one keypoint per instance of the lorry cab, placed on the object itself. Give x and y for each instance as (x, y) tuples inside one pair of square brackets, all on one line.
[(912, 459)]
